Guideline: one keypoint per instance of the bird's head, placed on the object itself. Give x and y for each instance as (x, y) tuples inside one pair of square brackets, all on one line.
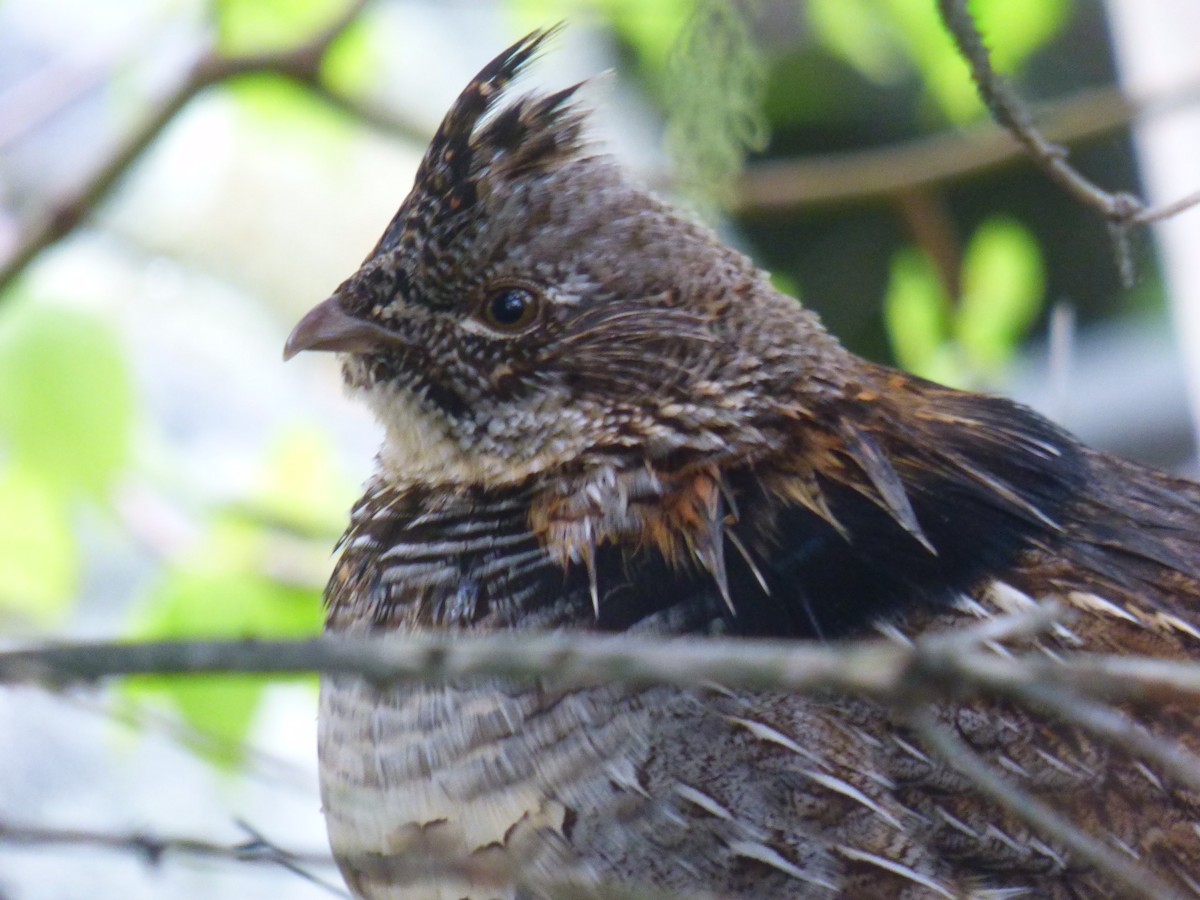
[(527, 309)]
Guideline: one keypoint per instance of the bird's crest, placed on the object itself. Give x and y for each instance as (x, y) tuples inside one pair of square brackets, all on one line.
[(472, 152)]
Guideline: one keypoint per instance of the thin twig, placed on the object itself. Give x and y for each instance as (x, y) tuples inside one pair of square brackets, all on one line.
[(1136, 879), (151, 718), (408, 865), (910, 678), (939, 665), (1118, 730), (782, 186), (1008, 110), (65, 214), (1139, 679), (1122, 210), (868, 667), (1147, 216), (290, 861), (153, 848), (1019, 626)]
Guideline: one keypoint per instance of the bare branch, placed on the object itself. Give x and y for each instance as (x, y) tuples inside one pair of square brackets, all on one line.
[(1117, 729), (1136, 879), (1007, 109), (1122, 210), (301, 63), (1147, 216), (869, 667), (1139, 679), (778, 187), (154, 848), (414, 863), (938, 665)]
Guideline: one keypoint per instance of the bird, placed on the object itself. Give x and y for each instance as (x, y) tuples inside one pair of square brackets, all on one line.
[(599, 418)]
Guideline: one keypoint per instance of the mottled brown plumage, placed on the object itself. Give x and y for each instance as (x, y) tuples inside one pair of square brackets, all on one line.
[(600, 418)]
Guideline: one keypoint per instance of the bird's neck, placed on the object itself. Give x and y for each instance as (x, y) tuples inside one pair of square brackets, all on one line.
[(891, 493)]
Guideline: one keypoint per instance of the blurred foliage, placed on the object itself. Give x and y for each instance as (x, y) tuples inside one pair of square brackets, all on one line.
[(256, 572), (63, 387), (259, 26), (66, 413), (966, 342), (651, 30), (701, 60), (215, 597), (852, 75), (271, 105), (885, 39), (276, 103)]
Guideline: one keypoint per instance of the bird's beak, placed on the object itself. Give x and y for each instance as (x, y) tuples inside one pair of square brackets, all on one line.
[(328, 326)]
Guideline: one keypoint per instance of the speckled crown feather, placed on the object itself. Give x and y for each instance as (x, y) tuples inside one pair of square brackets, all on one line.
[(469, 149)]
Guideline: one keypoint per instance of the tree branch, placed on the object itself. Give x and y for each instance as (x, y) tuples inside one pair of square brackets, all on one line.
[(153, 848), (410, 864), (301, 63), (1122, 210), (782, 186), (934, 667), (869, 667)]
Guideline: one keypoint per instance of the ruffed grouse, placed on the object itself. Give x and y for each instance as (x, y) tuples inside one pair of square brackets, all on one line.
[(600, 418)]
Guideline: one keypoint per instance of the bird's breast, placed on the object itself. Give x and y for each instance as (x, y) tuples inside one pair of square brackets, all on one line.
[(434, 791)]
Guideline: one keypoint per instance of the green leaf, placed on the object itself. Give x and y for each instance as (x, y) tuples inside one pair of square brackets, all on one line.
[(879, 37), (650, 28), (66, 404), (277, 110), (855, 31), (915, 314), (256, 26), (931, 50), (222, 590), (1003, 292), (351, 63), (1015, 29), (39, 566), (785, 284)]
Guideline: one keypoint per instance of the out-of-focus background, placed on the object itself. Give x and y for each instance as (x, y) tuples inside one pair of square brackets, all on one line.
[(162, 474)]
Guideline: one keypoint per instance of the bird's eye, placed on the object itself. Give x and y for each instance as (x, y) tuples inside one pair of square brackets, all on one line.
[(509, 309)]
